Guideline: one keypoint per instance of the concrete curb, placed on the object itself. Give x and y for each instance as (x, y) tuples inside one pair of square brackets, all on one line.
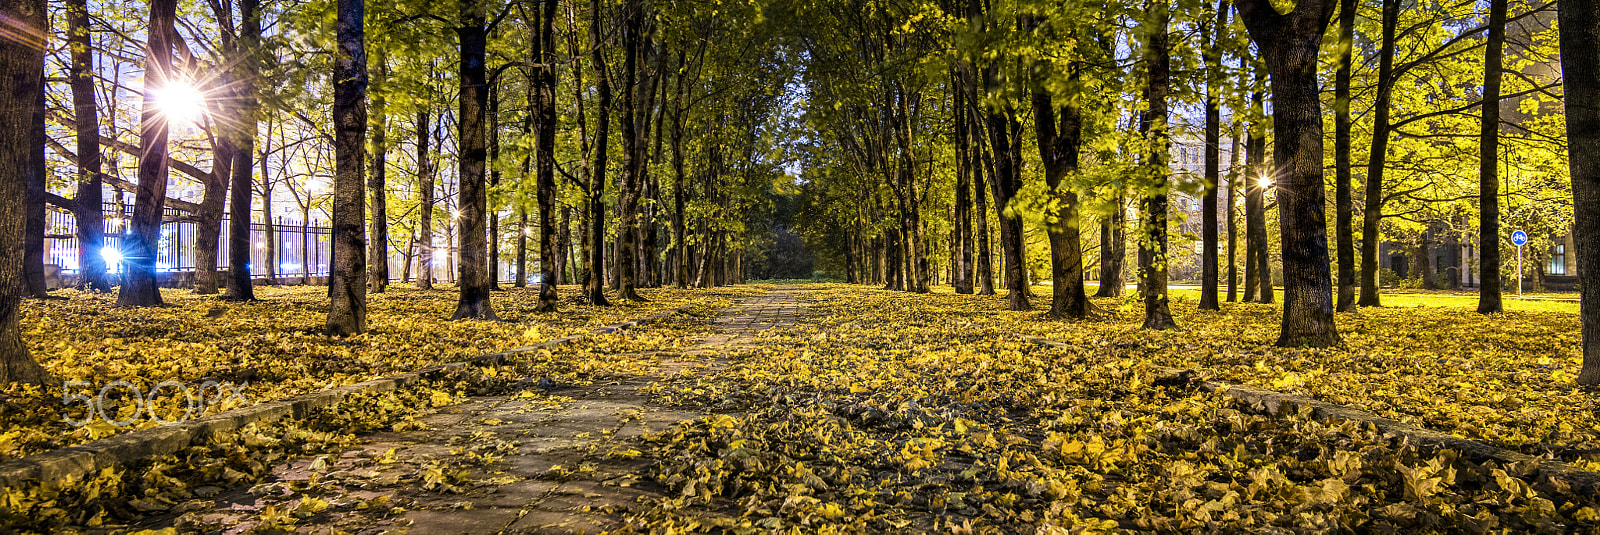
[(84, 459), (1555, 474)]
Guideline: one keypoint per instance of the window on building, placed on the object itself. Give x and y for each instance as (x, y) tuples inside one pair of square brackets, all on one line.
[(1558, 260)]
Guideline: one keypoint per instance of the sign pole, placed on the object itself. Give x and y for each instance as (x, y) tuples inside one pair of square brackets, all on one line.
[(1519, 238)]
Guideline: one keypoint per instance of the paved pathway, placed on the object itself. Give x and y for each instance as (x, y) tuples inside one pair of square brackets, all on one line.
[(541, 467)]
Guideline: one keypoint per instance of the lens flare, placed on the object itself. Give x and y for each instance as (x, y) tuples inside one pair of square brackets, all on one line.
[(181, 102)]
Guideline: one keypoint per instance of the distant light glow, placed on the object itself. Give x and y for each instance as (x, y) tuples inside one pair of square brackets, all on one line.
[(111, 255), (261, 244), (441, 256), (456, 214), (181, 102), (1264, 182)]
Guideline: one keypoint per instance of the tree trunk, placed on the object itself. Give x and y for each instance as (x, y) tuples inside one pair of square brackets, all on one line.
[(1213, 164), (1489, 164), (1153, 245), (1343, 204), (139, 286), (347, 284), (21, 80), (1113, 249), (1373, 210), (521, 280), (1291, 43), (246, 108), (377, 183), (679, 235), (208, 224), (635, 106), (33, 249), (1258, 266), (493, 209), (594, 283), (425, 209), (545, 113), (980, 212), (1233, 228), (1058, 149), (1006, 184), (1580, 65), (86, 120), (962, 233), (472, 197)]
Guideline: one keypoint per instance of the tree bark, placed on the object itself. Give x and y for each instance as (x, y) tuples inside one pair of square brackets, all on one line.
[(1373, 209), (377, 182), (635, 91), (980, 219), (1580, 65), (1258, 261), (86, 121), (425, 208), (1233, 231), (347, 280), (1006, 184), (962, 232), (1153, 243), (1213, 164), (21, 81), (1344, 205), (473, 277), (139, 287), (208, 224), (1489, 164), (246, 108), (33, 249), (1291, 43), (545, 113), (594, 281), (1058, 149)]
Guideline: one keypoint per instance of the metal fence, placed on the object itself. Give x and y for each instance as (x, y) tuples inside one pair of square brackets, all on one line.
[(295, 248)]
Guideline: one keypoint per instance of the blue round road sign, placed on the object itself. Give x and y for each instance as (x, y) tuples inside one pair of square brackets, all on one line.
[(1519, 238)]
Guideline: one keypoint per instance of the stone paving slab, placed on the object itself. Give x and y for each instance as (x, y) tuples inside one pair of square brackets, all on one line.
[(574, 469)]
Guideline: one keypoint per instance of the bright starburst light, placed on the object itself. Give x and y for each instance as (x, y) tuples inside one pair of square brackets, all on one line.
[(181, 102)]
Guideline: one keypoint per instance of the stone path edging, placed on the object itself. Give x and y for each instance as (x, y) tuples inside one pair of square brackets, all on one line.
[(80, 460), (1552, 472)]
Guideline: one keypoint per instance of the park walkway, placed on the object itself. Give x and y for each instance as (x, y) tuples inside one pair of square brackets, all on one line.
[(542, 467)]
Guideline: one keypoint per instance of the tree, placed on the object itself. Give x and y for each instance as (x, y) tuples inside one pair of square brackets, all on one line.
[(139, 286), (1290, 43), (594, 275), (1058, 149), (1580, 67), (1213, 156), (636, 97), (1489, 164), (425, 170), (1343, 202), (347, 281), (1113, 248), (472, 195), (377, 178), (1373, 191), (1153, 224), (544, 111), (21, 81), (247, 107), (86, 120)]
